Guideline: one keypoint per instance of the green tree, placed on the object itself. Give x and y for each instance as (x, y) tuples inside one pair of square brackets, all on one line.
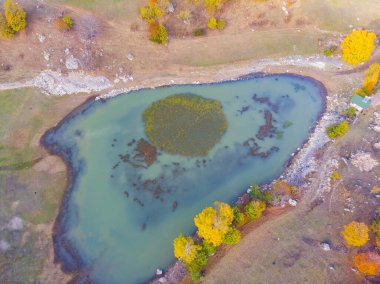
[(254, 209), (338, 129), (15, 15), (232, 237)]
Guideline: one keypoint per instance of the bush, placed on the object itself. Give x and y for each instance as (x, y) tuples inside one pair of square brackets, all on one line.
[(329, 51), (195, 267), (63, 24), (199, 32), (358, 46), (213, 23), (208, 248), (335, 176), (368, 263), (15, 15), (158, 33), (338, 129), (356, 234), (5, 30), (232, 237), (239, 217), (349, 112), (254, 209)]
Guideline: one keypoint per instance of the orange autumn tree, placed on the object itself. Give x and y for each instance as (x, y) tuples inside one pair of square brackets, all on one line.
[(213, 223), (371, 80), (368, 263), (358, 46), (356, 234)]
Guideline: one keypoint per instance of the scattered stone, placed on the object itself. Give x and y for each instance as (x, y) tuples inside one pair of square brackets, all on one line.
[(15, 224), (171, 7), (376, 146), (162, 280), (41, 38), (46, 55), (158, 271), (71, 62), (363, 161), (332, 267), (130, 56), (292, 202), (325, 246), (4, 245)]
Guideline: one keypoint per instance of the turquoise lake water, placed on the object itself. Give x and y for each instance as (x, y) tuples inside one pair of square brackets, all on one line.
[(118, 219)]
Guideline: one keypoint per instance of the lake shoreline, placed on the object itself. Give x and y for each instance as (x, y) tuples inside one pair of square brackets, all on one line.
[(77, 263)]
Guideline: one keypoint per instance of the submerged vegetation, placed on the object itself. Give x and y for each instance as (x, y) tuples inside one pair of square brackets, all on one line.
[(185, 124)]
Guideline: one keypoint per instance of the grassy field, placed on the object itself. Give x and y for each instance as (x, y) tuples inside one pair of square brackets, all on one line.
[(30, 191)]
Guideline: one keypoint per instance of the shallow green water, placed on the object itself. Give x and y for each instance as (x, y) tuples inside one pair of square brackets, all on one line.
[(116, 226)]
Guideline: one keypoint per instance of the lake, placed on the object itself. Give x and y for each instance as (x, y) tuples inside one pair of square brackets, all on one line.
[(121, 213)]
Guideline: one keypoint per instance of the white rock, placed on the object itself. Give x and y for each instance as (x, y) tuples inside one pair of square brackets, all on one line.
[(325, 246), (130, 56), (162, 280), (15, 224), (4, 245), (71, 62), (46, 55), (292, 202), (158, 271), (41, 38)]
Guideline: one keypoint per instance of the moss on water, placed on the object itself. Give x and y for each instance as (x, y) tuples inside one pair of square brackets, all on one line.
[(185, 124)]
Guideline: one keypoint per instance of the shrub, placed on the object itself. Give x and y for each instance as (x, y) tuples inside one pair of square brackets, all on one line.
[(356, 234), (15, 15), (5, 30), (329, 51), (199, 32), (239, 217), (213, 23), (349, 112), (195, 267), (367, 263), (375, 228), (63, 24), (232, 237), (335, 176), (254, 209), (372, 78), (338, 129), (151, 12), (208, 247), (357, 47), (158, 33), (283, 188)]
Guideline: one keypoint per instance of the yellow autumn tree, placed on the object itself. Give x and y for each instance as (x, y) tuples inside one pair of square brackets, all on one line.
[(185, 248), (214, 222), (356, 234), (15, 15), (358, 46), (368, 263)]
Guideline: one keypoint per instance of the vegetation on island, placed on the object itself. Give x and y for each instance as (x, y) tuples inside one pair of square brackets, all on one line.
[(185, 124), (338, 129), (358, 46), (350, 112), (13, 20)]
